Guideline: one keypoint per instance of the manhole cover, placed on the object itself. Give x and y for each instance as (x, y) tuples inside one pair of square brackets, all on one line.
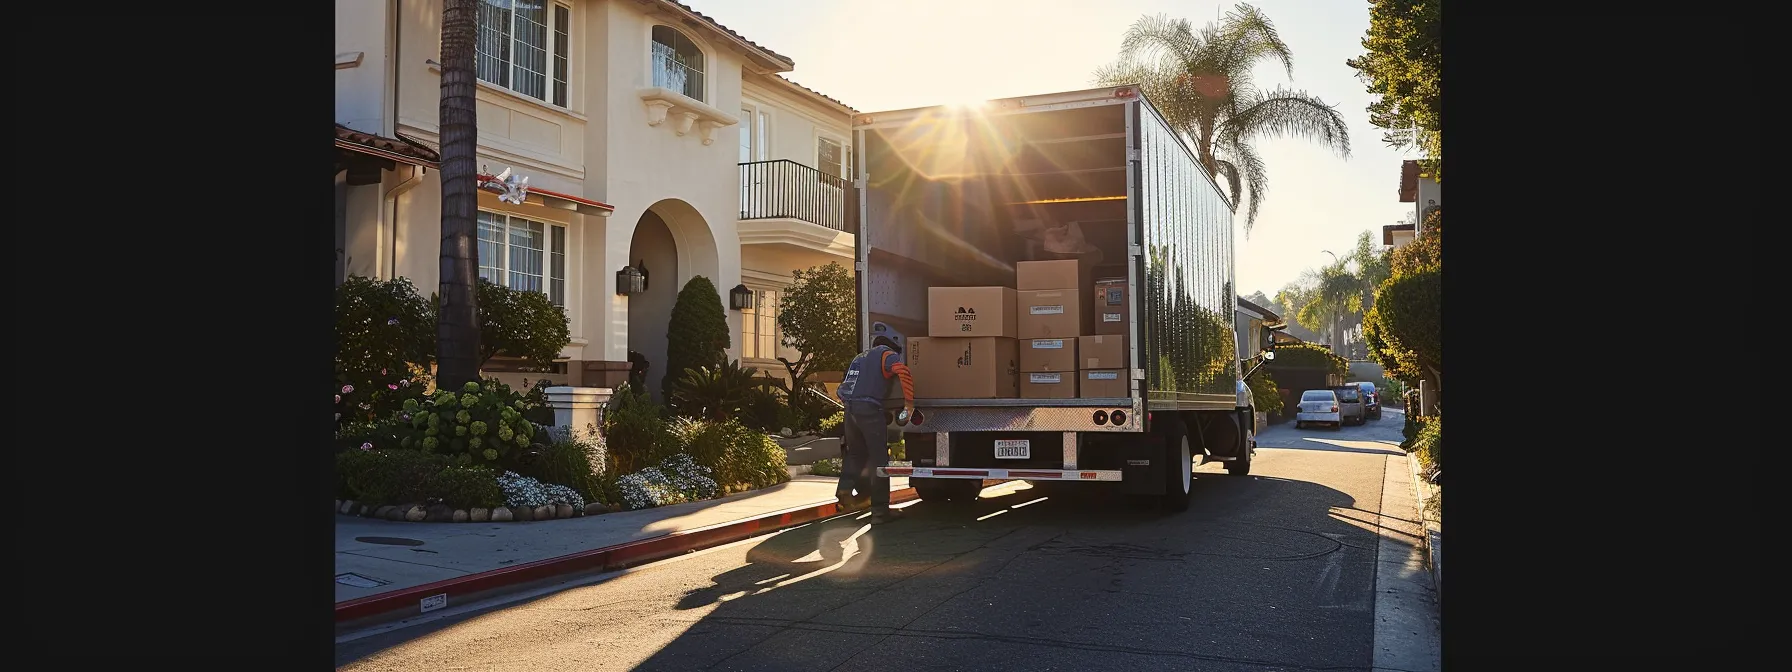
[(358, 581), (389, 541)]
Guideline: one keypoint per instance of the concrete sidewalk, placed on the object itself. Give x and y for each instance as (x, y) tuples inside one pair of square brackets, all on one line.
[(414, 554)]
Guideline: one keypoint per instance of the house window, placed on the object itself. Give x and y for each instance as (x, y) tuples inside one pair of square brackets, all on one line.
[(523, 47), (830, 156), (759, 326), (677, 62), (523, 254)]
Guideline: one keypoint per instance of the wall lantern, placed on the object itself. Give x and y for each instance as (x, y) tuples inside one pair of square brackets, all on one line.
[(630, 280), (740, 298)]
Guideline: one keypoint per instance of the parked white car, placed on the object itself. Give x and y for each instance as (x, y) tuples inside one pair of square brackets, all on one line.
[(1318, 407)]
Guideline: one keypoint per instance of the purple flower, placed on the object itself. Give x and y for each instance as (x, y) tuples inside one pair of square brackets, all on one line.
[(392, 321), (348, 389), (405, 417), (366, 446), (382, 372), (392, 386)]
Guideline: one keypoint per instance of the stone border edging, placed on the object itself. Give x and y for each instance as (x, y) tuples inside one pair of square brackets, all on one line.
[(1434, 533), (442, 513)]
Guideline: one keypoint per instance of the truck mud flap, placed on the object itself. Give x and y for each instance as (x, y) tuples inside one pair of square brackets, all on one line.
[(1142, 467)]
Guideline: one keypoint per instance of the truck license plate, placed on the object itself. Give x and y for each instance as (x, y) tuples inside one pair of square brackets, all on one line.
[(1014, 449)]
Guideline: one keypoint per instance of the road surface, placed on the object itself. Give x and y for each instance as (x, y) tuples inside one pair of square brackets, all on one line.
[(1275, 571)]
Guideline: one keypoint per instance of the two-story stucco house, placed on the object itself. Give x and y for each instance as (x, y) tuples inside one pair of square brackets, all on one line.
[(653, 138)]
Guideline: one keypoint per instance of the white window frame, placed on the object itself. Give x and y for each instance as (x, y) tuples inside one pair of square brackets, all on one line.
[(555, 73), (703, 91), (750, 352), (758, 125), (547, 254), (845, 152)]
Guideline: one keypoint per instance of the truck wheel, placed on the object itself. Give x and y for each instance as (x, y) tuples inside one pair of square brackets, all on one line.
[(1179, 464), (1242, 465)]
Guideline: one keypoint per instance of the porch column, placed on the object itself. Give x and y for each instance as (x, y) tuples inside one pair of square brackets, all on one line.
[(578, 408)]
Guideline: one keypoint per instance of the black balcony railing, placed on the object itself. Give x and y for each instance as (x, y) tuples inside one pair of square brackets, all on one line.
[(785, 188)]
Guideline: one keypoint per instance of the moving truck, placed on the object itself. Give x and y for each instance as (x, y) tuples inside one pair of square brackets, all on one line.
[(994, 238)]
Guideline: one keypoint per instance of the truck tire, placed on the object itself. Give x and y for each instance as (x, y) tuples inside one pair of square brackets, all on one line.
[(1242, 465), (1179, 464)]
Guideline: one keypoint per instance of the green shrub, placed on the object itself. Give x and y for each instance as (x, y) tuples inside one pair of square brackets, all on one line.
[(385, 341), (520, 323), (1265, 394), (465, 487), (387, 476), (697, 335), (573, 459), (1428, 446), (827, 466), (763, 410), (482, 424), (834, 425), (739, 457), (797, 418), (635, 432), (717, 392)]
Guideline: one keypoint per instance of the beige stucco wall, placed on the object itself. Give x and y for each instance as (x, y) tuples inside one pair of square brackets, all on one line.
[(796, 120), (599, 147)]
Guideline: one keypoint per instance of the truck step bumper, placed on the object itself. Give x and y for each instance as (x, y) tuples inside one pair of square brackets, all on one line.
[(1003, 474)]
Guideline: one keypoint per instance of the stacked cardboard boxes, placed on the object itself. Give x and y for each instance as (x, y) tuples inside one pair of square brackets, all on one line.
[(1057, 334), (1103, 368)]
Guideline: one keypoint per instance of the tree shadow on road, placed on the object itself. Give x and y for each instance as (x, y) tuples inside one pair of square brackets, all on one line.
[(1260, 572)]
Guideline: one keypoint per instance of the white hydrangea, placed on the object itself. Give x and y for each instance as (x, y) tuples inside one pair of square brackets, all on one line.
[(677, 479)]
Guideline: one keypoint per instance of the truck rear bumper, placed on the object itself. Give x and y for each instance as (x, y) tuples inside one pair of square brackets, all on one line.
[(1003, 474)]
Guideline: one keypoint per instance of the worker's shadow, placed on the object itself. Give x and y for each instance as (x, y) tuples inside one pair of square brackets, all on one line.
[(824, 554)]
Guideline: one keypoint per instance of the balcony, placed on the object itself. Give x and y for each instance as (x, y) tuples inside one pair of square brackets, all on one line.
[(786, 203)]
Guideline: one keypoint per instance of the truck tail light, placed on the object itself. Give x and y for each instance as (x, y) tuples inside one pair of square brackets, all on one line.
[(1334, 409)]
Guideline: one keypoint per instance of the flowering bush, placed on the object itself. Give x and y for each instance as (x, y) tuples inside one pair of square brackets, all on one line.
[(482, 424), (677, 479), (385, 341), (521, 490)]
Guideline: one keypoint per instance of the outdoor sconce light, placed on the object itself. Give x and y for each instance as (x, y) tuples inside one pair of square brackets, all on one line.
[(630, 280), (740, 298)]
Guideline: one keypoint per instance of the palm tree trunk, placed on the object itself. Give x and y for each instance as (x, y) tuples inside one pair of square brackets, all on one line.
[(457, 327)]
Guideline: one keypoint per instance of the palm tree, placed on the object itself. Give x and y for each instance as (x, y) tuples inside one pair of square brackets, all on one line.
[(457, 327), (1202, 83)]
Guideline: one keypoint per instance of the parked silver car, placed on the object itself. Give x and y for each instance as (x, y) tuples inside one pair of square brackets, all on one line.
[(1351, 409), (1318, 407)]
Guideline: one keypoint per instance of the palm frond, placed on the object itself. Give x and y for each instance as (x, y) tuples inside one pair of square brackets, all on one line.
[(1256, 177), (1229, 170), (1152, 38), (1249, 36), (1287, 112)]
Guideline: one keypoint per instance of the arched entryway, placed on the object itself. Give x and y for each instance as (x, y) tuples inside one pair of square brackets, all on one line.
[(671, 244)]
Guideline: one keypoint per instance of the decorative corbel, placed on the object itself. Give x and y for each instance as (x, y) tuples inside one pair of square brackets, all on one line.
[(656, 111), (685, 119), (707, 129)]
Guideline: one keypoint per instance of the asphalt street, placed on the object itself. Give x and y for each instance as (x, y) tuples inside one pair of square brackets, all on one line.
[(1274, 571)]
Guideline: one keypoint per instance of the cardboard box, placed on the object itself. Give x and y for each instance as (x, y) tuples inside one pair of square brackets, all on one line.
[(1054, 274), (1054, 385), (970, 311), (964, 368), (1103, 383), (1048, 354), (1101, 352), (1051, 313), (1112, 306)]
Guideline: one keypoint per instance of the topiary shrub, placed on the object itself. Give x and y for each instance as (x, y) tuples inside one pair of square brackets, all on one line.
[(697, 334), (385, 342), (387, 476), (482, 424), (635, 431), (520, 323), (465, 487)]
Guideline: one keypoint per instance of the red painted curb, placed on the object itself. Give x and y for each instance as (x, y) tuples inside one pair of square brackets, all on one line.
[(611, 558)]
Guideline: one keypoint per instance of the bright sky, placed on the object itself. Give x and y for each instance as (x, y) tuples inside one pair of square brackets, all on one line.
[(894, 54)]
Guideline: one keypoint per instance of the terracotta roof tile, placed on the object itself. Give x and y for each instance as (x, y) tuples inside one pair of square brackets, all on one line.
[(827, 97), (401, 146), (730, 31)]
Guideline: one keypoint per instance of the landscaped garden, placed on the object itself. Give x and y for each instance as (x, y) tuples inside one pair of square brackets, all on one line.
[(406, 450)]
